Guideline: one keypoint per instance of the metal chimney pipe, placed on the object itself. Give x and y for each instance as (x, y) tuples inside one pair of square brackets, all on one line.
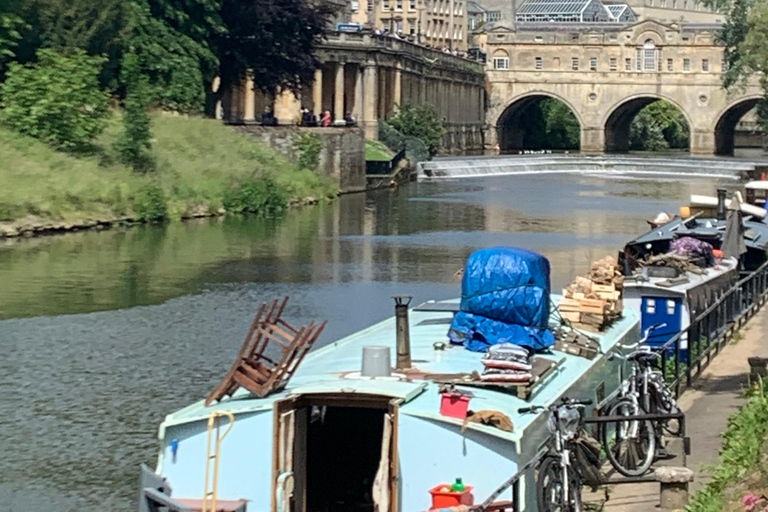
[(401, 328), (721, 204)]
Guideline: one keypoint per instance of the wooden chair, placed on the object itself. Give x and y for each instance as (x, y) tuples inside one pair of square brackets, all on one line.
[(271, 353)]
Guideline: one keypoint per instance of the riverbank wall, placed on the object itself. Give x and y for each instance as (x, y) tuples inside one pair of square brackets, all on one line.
[(335, 153)]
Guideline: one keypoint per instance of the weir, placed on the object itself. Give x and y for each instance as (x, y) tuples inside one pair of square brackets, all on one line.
[(531, 164)]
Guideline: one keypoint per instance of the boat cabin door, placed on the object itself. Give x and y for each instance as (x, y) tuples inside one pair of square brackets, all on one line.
[(662, 310), (333, 453)]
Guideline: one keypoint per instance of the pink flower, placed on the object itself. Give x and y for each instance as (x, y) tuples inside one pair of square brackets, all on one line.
[(752, 500)]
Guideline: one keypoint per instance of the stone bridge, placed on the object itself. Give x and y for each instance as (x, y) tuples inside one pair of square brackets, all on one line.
[(606, 74)]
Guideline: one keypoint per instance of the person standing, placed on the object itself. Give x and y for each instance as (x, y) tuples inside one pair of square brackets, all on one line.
[(326, 120)]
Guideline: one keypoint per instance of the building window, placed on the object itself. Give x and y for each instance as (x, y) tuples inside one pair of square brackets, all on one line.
[(493, 15), (355, 6), (649, 56), (384, 5), (412, 5), (412, 26), (556, 63), (539, 63), (612, 64), (650, 306), (593, 64), (538, 39), (575, 63), (686, 65), (399, 26), (369, 6), (627, 64), (500, 59), (398, 5), (705, 65), (472, 23), (670, 65)]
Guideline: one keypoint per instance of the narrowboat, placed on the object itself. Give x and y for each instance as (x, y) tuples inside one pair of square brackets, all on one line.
[(670, 296), (367, 423)]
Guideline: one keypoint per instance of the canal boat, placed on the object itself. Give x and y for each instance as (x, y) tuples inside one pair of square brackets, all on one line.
[(346, 433), (670, 296)]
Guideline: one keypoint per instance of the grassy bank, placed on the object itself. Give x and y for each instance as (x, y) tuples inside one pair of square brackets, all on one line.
[(375, 150), (743, 464), (199, 162)]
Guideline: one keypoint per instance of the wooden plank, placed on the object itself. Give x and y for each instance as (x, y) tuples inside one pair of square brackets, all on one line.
[(602, 288), (571, 316), (595, 310)]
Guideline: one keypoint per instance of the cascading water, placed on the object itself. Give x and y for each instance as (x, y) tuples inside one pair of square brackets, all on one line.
[(613, 164)]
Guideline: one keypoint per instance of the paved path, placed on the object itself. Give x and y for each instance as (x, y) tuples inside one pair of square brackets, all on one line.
[(716, 395)]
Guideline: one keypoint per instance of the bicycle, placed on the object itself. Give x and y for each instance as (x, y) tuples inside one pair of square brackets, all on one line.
[(559, 479), (632, 447)]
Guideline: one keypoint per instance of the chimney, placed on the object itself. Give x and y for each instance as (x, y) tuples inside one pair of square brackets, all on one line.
[(403, 336), (721, 204)]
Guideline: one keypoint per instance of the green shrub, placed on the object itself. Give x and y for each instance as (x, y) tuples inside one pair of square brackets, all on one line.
[(260, 196), (150, 204), (135, 143), (308, 146), (422, 122), (56, 99)]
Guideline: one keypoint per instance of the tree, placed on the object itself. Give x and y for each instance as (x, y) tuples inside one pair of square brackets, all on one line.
[(10, 25), (421, 122), (57, 99), (563, 129), (658, 126), (135, 143), (172, 41), (260, 38)]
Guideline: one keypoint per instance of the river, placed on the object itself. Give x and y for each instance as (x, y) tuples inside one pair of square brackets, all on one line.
[(102, 334)]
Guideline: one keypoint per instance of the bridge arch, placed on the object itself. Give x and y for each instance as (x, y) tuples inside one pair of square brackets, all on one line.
[(510, 125), (620, 116), (726, 120)]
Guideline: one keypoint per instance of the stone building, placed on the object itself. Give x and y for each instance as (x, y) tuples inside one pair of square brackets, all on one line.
[(606, 73), (437, 23)]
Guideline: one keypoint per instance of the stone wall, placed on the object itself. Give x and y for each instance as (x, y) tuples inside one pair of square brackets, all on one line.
[(342, 153)]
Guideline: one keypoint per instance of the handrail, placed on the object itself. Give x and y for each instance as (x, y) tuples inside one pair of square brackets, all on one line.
[(214, 420), (715, 325), (511, 481)]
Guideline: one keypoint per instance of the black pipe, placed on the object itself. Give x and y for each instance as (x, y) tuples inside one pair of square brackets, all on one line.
[(403, 334), (721, 204)]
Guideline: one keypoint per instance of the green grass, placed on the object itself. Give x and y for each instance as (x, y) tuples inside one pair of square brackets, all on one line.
[(375, 150), (198, 161)]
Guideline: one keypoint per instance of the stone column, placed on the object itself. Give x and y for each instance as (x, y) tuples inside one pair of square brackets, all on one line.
[(370, 99), (397, 95), (317, 93), (358, 110), (338, 95), (592, 140), (249, 108), (702, 141)]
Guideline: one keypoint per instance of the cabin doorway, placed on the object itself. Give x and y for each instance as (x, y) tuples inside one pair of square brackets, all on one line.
[(335, 456)]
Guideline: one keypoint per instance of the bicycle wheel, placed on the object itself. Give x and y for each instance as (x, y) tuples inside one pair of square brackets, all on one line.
[(665, 405), (630, 444), (549, 488)]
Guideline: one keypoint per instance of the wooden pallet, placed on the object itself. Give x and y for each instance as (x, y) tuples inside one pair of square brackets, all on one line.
[(272, 351), (542, 368)]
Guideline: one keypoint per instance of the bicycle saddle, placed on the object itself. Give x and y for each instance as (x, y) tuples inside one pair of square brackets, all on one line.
[(643, 356)]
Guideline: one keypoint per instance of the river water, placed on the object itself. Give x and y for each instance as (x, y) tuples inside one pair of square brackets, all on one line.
[(102, 334)]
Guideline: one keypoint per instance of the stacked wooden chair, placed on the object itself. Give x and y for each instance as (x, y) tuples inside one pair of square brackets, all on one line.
[(271, 353)]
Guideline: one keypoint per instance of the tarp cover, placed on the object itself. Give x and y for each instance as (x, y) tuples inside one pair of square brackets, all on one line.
[(504, 299)]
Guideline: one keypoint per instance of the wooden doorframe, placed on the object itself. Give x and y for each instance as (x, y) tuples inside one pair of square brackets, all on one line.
[(388, 405)]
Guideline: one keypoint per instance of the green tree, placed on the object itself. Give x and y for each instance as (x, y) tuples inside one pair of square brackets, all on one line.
[(57, 99), (172, 40), (135, 143), (10, 25), (563, 130), (422, 122), (658, 126)]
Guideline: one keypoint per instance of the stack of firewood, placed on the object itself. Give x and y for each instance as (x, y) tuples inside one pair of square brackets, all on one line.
[(593, 302)]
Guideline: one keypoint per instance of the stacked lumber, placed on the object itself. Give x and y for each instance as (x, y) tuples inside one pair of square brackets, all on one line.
[(593, 302)]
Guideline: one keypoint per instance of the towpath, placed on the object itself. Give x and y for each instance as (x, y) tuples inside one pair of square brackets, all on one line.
[(715, 396)]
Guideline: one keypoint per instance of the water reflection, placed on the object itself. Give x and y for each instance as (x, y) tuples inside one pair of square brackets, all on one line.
[(87, 376)]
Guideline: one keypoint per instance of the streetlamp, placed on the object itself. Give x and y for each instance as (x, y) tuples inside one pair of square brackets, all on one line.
[(420, 10)]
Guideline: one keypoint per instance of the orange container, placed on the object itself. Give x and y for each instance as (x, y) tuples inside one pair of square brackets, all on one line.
[(441, 499)]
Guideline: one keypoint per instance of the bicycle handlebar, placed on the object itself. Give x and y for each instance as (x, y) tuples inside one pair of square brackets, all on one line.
[(645, 337), (563, 402)]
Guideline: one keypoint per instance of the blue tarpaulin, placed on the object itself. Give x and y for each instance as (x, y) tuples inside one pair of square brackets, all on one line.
[(504, 299)]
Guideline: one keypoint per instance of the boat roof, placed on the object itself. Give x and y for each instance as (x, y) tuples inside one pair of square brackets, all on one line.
[(327, 370), (755, 237), (757, 185), (694, 280)]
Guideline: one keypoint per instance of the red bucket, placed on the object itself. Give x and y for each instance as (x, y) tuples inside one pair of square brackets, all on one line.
[(442, 499), (454, 405)]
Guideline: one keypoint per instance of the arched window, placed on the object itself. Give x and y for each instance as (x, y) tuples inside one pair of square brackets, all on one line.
[(500, 59), (649, 55)]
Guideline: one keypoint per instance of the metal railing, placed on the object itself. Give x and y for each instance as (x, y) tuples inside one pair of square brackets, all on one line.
[(711, 330)]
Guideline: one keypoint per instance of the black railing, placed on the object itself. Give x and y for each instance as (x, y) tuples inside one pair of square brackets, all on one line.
[(711, 330)]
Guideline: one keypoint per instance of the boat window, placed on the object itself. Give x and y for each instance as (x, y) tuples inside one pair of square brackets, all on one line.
[(650, 306), (670, 307)]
